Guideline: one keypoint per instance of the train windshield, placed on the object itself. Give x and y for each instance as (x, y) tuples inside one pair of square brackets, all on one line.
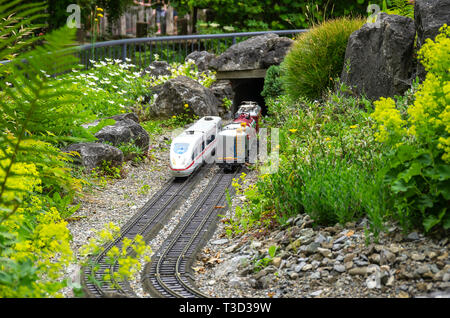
[(180, 148)]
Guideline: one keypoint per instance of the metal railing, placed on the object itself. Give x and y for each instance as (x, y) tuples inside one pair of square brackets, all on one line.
[(141, 51)]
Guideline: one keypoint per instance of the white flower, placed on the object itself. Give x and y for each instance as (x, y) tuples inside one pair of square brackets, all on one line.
[(127, 59), (111, 102), (117, 61)]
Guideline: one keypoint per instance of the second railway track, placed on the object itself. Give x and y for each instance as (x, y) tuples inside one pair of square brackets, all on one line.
[(169, 274), (147, 222)]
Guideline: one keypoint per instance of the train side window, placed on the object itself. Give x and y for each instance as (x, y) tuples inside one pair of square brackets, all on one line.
[(210, 139), (203, 145)]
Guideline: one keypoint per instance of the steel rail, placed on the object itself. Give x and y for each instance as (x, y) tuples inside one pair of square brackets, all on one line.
[(132, 223), (206, 194)]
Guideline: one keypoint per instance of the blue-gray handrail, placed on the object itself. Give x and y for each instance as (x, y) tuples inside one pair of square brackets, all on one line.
[(172, 48)]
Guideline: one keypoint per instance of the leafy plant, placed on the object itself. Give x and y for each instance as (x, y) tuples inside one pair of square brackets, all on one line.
[(418, 172), (399, 7), (261, 263), (35, 246), (273, 86)]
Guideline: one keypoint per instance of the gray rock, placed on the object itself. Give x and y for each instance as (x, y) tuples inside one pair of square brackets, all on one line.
[(429, 16), (315, 275), (93, 154), (359, 262), (220, 241), (277, 50), (339, 268), (255, 53), (131, 116), (222, 89), (299, 267), (380, 57), (312, 248), (202, 59), (413, 236), (157, 68), (340, 239), (182, 90), (231, 266), (125, 131), (236, 282)]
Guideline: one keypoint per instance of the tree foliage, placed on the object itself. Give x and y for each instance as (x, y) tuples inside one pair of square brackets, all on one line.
[(281, 14)]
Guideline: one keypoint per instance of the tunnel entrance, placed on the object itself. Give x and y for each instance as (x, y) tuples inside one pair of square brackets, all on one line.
[(248, 90), (247, 85)]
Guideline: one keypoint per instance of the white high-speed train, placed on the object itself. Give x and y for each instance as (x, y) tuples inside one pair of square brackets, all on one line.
[(194, 146)]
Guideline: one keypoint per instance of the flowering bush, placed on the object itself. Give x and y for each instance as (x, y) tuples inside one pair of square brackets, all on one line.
[(419, 152), (114, 86)]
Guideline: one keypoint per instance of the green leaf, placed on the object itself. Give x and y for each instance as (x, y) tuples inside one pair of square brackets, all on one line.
[(272, 250), (412, 171), (443, 171), (400, 186), (430, 221)]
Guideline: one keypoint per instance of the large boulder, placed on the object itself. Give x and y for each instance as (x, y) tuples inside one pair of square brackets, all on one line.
[(125, 131), (255, 53), (222, 89), (182, 90), (379, 57), (277, 50), (429, 17), (92, 154), (202, 59)]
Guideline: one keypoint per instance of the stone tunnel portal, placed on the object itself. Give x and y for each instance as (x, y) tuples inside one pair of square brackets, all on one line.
[(247, 86)]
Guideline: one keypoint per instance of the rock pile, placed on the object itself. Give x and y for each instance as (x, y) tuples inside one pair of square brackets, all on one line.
[(331, 261), (125, 130)]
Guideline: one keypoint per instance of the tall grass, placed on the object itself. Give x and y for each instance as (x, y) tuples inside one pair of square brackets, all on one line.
[(317, 57)]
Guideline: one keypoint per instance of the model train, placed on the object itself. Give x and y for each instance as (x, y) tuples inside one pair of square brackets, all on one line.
[(207, 141)]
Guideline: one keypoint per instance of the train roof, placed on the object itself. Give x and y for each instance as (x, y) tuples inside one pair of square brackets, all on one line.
[(204, 124)]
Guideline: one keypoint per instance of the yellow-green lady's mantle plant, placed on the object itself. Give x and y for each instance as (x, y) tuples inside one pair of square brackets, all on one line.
[(419, 142)]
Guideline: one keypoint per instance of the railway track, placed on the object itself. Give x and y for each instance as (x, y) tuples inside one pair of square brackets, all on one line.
[(147, 222), (169, 273)]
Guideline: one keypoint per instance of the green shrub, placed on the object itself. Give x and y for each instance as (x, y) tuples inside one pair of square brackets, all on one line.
[(317, 57), (272, 83), (329, 164), (335, 191), (418, 170)]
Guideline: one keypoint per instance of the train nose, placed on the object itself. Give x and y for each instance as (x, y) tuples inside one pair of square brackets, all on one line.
[(178, 161)]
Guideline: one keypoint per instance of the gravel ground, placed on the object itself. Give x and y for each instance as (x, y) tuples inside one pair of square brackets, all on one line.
[(117, 201)]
